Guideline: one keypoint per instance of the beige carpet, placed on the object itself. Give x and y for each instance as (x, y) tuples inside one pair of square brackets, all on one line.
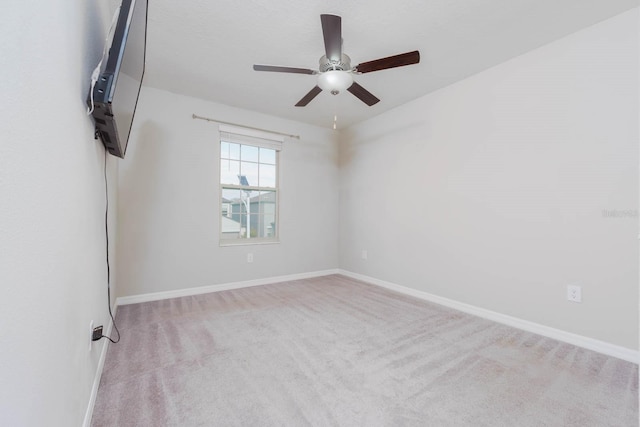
[(333, 351)]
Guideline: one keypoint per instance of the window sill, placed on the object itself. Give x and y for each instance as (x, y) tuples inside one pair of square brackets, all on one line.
[(247, 242)]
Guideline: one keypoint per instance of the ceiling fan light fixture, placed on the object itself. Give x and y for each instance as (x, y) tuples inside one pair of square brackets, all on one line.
[(335, 81)]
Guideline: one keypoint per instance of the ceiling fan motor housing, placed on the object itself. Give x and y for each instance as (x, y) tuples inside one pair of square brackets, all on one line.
[(327, 65)]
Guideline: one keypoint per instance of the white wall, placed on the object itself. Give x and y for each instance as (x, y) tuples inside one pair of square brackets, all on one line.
[(491, 191), (169, 200), (52, 200)]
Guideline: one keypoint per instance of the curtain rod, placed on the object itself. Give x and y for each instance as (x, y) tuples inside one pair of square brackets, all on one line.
[(194, 116)]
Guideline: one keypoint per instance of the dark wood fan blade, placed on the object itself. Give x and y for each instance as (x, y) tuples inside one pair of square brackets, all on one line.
[(389, 62), (362, 94), (309, 96), (332, 32), (284, 69)]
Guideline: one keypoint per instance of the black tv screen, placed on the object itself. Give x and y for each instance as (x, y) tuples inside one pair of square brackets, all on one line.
[(115, 94)]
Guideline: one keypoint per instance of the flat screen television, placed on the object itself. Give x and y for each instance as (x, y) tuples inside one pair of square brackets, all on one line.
[(116, 92)]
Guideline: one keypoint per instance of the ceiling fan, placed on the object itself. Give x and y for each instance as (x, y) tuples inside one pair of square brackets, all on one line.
[(335, 73)]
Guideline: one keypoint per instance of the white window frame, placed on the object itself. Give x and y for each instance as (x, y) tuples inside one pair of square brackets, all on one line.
[(256, 138)]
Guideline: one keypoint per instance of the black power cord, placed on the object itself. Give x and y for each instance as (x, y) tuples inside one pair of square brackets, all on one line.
[(106, 230)]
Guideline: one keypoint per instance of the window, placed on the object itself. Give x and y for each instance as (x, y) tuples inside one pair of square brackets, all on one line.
[(248, 186)]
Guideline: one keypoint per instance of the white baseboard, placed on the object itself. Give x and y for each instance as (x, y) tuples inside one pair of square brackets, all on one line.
[(560, 335), (135, 299), (96, 380), (536, 328)]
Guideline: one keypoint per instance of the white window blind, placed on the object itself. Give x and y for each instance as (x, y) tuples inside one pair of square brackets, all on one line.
[(239, 135)]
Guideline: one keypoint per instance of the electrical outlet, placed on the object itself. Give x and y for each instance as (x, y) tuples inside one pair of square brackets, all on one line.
[(90, 334), (97, 333), (249, 257), (364, 255), (574, 293)]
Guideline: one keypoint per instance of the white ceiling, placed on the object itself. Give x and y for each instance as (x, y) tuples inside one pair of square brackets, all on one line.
[(206, 49)]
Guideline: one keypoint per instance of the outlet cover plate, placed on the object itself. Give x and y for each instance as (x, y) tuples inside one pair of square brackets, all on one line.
[(574, 293), (90, 334)]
